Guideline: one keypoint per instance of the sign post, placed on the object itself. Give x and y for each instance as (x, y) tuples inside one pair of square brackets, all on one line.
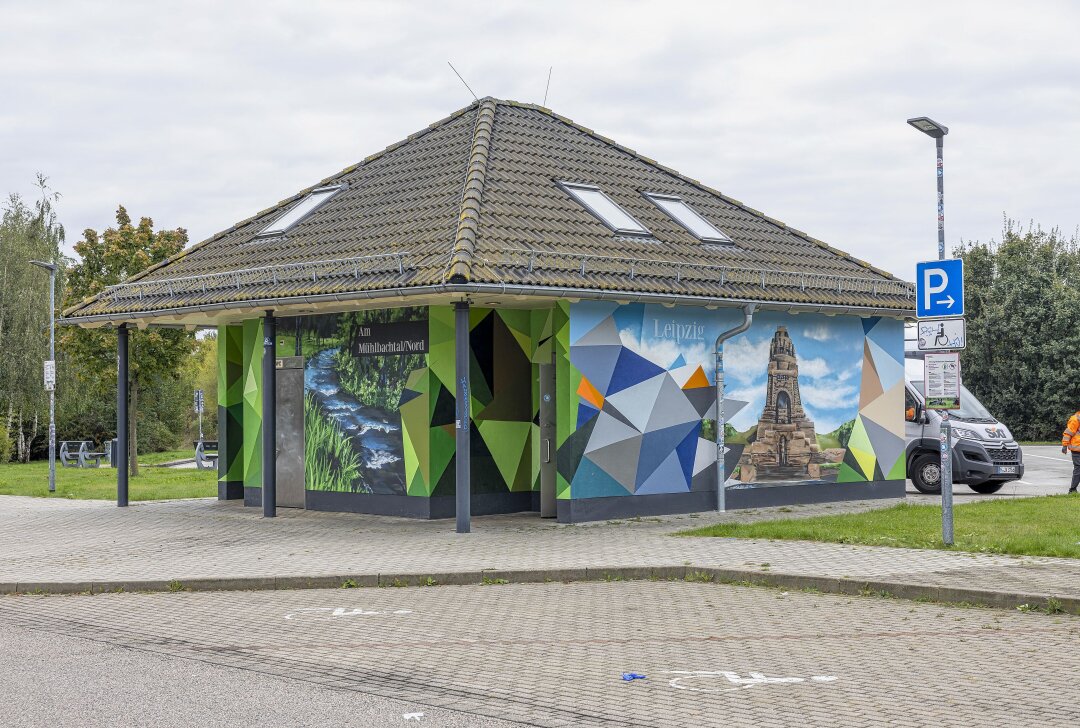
[(939, 293), (199, 410)]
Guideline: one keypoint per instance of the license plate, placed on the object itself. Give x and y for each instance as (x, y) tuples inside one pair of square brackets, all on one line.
[(1007, 470)]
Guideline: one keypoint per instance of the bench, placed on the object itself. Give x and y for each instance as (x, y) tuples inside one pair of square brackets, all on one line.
[(78, 454), (206, 454)]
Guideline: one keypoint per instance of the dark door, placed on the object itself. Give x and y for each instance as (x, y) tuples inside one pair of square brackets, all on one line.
[(290, 432), (548, 472)]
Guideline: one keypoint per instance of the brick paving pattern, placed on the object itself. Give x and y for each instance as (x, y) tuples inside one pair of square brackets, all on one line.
[(84, 541), (552, 654)]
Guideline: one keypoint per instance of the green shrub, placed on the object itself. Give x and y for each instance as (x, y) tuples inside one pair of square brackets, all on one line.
[(330, 459)]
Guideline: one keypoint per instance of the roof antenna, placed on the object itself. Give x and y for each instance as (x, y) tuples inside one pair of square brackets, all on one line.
[(547, 87), (462, 80)]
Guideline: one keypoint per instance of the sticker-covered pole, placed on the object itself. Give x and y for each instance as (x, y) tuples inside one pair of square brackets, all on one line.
[(269, 418), (721, 419), (946, 429), (463, 472)]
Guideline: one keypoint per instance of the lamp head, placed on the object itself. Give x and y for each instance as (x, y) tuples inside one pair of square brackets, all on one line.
[(929, 127), (51, 267)]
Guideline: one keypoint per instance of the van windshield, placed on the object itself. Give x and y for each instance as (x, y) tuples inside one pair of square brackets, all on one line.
[(970, 408)]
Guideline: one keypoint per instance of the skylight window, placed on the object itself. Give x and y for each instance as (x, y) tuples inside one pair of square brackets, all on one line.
[(689, 218), (609, 212), (315, 199)]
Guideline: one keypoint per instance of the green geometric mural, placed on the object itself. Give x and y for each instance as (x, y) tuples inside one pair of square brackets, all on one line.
[(230, 353), (252, 402)]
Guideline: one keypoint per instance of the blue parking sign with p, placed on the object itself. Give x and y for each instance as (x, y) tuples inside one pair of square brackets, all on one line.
[(939, 288)]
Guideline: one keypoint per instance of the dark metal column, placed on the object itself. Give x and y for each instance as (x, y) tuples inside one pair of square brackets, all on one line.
[(121, 416), (461, 439), (269, 417)]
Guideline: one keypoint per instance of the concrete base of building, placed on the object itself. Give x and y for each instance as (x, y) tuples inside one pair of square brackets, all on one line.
[(579, 510), (405, 506), (230, 490)]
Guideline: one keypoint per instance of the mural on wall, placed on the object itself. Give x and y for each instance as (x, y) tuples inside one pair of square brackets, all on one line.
[(809, 398), (355, 383), (380, 410)]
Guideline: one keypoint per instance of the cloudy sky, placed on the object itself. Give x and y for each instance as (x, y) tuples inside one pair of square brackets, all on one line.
[(200, 113)]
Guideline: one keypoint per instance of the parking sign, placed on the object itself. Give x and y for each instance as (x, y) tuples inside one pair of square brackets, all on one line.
[(939, 288)]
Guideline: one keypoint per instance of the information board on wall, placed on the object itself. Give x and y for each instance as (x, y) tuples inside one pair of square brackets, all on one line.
[(941, 380)]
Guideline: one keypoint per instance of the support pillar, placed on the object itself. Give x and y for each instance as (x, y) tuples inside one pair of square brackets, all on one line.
[(463, 488), (121, 416), (269, 421)]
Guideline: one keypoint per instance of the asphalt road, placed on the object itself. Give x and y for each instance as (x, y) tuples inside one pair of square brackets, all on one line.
[(540, 654), (1046, 472)]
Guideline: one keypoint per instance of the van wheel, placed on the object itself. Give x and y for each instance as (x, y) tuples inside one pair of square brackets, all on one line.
[(926, 474), (987, 488)]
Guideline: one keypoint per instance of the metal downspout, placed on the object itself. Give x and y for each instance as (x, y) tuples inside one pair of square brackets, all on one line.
[(721, 475)]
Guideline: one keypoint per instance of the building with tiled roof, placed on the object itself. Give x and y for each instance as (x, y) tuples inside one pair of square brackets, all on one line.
[(590, 285)]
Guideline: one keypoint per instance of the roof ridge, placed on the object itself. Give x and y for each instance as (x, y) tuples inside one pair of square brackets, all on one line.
[(700, 185), (74, 308), (472, 194)]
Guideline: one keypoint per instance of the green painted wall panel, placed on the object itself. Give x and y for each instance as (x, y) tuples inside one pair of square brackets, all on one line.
[(252, 402)]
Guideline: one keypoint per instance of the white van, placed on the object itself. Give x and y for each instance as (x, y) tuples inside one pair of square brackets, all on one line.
[(984, 454)]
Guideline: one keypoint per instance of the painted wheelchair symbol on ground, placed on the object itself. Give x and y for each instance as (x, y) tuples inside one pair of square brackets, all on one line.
[(705, 681), (331, 612)]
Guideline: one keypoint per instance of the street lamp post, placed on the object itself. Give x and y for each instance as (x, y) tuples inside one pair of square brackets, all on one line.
[(51, 267), (938, 131)]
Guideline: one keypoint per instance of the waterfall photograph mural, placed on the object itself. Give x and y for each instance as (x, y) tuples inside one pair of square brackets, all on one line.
[(355, 375)]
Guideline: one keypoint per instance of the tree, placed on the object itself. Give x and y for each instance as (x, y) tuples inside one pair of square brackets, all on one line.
[(26, 233), (156, 356), (1023, 295)]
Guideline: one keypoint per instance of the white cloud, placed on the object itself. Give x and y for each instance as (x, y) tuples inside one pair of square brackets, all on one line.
[(830, 396), (748, 416), (818, 332), (663, 352), (815, 368), (744, 361)]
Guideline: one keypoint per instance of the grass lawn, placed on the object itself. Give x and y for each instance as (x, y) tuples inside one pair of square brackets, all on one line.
[(100, 483), (1044, 526)]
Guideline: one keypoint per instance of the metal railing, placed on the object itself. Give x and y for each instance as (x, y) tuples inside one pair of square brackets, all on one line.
[(263, 275), (511, 259)]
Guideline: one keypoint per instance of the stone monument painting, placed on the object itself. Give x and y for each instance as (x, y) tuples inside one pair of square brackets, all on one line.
[(784, 446)]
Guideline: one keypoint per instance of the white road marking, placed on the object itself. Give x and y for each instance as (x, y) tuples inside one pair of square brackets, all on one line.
[(738, 683), (1046, 457), (341, 612), (412, 716)]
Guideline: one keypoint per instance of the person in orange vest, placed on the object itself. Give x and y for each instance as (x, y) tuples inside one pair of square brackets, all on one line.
[(1070, 442)]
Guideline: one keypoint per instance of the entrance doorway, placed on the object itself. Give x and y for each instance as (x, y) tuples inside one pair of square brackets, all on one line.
[(289, 445), (548, 469)]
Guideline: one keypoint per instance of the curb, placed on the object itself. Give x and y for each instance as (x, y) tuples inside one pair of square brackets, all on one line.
[(738, 577)]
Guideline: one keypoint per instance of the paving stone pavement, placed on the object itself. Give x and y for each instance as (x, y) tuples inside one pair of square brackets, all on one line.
[(553, 654), (85, 541)]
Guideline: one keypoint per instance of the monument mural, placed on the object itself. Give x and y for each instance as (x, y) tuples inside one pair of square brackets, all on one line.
[(785, 446), (809, 399)]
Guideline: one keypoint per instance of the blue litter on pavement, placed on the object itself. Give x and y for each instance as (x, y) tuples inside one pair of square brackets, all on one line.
[(630, 676)]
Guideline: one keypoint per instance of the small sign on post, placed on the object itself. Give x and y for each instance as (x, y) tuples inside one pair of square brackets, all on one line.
[(942, 334), (941, 378), (198, 401), (50, 375)]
